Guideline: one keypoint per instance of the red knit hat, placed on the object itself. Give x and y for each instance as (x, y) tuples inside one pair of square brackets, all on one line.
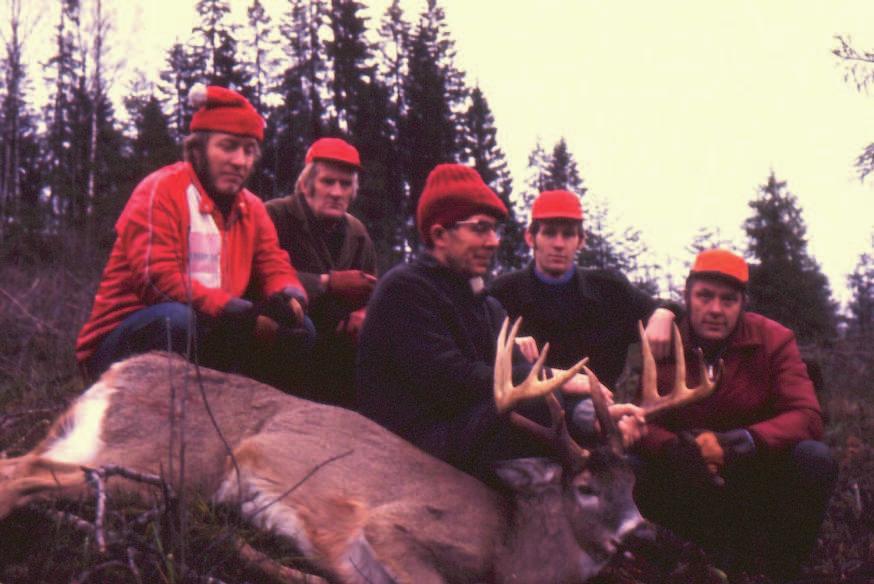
[(454, 192), (224, 110), (557, 205), (335, 150), (722, 264)]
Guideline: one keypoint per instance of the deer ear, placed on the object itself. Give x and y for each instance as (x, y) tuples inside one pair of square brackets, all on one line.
[(528, 474)]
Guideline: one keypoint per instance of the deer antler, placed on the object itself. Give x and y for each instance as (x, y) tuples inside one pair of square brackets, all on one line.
[(506, 394), (681, 395)]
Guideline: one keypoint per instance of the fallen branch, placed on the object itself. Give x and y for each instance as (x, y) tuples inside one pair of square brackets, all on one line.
[(272, 569)]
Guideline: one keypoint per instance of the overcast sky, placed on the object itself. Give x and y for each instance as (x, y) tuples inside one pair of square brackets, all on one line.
[(676, 110)]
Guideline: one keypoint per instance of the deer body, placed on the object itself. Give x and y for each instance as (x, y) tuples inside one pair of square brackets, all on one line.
[(358, 501)]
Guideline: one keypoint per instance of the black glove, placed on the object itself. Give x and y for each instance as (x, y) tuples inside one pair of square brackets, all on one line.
[(737, 445), (683, 458), (278, 309), (238, 312)]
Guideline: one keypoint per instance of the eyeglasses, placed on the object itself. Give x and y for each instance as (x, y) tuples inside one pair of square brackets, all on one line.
[(482, 228)]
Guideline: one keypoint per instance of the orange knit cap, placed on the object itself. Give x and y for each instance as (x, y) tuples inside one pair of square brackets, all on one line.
[(224, 110), (721, 263), (454, 192)]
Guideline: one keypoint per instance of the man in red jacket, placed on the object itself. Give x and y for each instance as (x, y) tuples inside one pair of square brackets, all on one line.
[(188, 242), (743, 472)]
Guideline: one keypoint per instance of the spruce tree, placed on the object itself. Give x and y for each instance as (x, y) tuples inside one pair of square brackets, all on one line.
[(184, 68), (480, 149), (861, 305), (215, 39), (433, 89), (786, 284)]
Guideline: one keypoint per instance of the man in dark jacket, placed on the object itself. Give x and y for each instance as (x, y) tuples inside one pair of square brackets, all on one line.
[(742, 472), (426, 357), (336, 262), (579, 312)]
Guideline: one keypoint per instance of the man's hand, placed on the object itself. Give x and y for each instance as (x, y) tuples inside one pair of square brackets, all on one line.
[(285, 308), (354, 286), (711, 451), (684, 458), (237, 310), (579, 385), (631, 422), (352, 324), (658, 332), (529, 349)]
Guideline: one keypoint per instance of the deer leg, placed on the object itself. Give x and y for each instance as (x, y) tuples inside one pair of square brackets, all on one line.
[(30, 478)]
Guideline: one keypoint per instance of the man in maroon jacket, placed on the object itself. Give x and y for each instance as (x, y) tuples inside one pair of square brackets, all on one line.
[(742, 473)]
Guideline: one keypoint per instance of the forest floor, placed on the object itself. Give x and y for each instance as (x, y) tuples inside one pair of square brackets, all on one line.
[(42, 306)]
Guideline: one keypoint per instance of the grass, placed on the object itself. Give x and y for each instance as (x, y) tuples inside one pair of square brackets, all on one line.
[(41, 309)]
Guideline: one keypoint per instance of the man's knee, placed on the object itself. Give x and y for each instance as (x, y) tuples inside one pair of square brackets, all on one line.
[(814, 461)]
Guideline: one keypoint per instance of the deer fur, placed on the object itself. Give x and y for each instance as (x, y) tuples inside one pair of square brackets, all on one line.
[(358, 501)]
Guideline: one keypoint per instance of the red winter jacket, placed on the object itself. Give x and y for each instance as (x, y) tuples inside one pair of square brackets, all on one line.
[(764, 388), (149, 262)]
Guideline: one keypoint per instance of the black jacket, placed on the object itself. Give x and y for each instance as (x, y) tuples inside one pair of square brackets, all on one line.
[(426, 360), (595, 316)]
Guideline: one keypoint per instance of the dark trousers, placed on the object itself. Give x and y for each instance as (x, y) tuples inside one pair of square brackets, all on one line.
[(763, 520), (221, 344)]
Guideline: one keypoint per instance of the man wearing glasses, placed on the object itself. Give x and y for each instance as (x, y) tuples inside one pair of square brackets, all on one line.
[(425, 360)]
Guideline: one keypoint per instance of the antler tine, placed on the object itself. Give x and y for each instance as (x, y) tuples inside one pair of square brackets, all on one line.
[(608, 427), (649, 390), (681, 394), (506, 394), (556, 435)]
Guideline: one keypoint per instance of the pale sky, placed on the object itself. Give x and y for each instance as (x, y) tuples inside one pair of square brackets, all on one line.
[(675, 110)]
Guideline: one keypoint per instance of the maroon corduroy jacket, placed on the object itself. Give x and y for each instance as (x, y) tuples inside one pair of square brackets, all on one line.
[(765, 389)]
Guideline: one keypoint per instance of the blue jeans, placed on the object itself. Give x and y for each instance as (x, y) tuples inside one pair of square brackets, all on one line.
[(218, 343)]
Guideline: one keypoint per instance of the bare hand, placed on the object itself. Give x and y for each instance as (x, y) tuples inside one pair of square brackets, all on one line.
[(711, 451), (297, 309), (630, 421), (352, 324), (579, 385), (658, 332), (529, 349)]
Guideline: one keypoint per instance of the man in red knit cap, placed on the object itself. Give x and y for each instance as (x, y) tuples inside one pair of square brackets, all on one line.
[(742, 472), (427, 350), (336, 262), (188, 243)]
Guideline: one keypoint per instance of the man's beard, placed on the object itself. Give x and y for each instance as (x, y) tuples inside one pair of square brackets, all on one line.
[(201, 169)]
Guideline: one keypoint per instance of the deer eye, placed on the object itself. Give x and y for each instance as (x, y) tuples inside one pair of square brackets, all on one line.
[(586, 490)]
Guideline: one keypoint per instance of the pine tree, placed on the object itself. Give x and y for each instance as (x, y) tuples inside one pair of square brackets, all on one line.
[(786, 284), (66, 120), (562, 171), (861, 305), (215, 40), (433, 91), (860, 71), (480, 150), (153, 146), (184, 68), (18, 140), (260, 46)]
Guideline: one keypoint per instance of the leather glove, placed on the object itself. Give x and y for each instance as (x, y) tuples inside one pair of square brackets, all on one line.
[(685, 459), (353, 286), (737, 445), (352, 324), (283, 308)]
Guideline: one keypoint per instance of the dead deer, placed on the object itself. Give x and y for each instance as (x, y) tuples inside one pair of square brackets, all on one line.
[(359, 502)]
